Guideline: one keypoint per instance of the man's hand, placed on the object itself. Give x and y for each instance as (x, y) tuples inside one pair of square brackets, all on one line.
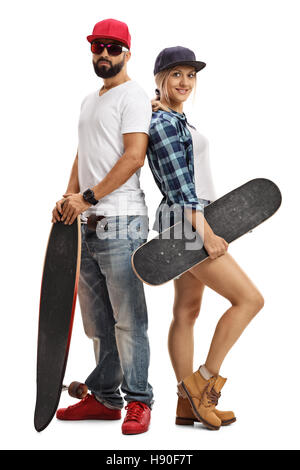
[(156, 105), (57, 211), (73, 206)]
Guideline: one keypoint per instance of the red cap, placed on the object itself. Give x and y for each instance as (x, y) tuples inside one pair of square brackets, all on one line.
[(112, 29)]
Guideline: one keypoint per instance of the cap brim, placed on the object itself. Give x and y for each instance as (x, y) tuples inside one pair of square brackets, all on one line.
[(193, 63), (93, 36)]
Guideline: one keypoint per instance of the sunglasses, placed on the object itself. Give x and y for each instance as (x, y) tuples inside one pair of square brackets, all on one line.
[(98, 47)]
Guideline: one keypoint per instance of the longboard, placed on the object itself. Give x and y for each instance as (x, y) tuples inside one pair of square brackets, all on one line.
[(166, 256), (56, 314)]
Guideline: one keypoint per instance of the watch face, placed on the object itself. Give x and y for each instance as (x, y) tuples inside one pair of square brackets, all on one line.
[(88, 193), (89, 196)]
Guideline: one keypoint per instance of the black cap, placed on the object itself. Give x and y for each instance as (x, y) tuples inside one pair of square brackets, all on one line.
[(172, 56)]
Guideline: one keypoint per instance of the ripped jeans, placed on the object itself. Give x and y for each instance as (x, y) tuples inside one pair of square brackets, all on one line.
[(114, 311)]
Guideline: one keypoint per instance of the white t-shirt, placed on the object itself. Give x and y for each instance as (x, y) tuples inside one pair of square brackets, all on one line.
[(202, 171), (123, 109)]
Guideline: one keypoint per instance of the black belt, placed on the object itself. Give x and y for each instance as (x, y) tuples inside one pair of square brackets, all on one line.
[(93, 220)]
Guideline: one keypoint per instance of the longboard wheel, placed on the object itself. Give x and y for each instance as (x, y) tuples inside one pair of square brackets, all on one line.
[(77, 390)]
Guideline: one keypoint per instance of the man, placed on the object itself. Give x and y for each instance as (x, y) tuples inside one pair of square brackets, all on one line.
[(104, 188)]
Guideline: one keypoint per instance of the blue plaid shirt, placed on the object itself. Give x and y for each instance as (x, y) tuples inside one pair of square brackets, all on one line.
[(171, 159)]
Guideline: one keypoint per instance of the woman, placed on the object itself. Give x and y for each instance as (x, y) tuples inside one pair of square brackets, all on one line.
[(178, 158)]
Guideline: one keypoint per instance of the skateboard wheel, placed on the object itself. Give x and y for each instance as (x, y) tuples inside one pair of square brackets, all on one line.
[(77, 390)]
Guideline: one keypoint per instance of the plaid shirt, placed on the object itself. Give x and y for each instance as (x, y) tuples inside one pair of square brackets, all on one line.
[(171, 159)]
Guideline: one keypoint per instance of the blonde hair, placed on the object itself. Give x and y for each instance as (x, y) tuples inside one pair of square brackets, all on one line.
[(161, 80)]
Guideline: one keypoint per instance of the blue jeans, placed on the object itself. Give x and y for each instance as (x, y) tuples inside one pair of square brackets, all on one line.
[(114, 311)]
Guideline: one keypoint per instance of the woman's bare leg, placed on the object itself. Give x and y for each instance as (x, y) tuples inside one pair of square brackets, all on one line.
[(225, 277), (187, 303)]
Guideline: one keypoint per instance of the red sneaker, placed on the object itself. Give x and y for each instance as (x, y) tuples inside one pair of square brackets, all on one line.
[(88, 408), (137, 419)]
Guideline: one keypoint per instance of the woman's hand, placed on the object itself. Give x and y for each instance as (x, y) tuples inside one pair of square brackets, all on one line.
[(215, 246)]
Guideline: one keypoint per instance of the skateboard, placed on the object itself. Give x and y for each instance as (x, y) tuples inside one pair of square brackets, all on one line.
[(56, 314), (171, 253)]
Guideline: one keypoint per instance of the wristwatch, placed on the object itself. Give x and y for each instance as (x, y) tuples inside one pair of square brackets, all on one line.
[(89, 197)]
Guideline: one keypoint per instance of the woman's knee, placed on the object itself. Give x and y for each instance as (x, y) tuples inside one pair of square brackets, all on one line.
[(253, 301), (257, 301), (186, 312)]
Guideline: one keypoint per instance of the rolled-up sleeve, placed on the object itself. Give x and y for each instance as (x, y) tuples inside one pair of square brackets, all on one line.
[(176, 178)]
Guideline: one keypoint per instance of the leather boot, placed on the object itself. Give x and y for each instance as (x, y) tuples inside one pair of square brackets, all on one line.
[(203, 396), (185, 415)]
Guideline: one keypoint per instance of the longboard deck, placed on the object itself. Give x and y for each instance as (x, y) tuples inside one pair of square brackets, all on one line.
[(57, 307), (164, 257)]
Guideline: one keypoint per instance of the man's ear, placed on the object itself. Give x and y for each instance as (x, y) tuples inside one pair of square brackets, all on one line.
[(128, 55)]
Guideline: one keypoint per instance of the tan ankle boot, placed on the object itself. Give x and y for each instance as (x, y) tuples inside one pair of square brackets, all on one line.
[(185, 415), (203, 396)]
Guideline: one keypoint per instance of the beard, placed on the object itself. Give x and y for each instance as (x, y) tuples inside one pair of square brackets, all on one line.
[(107, 72)]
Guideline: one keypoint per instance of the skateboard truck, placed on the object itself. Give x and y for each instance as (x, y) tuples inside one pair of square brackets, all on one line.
[(76, 390)]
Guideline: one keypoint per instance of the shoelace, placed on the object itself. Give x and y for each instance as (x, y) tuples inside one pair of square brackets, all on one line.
[(213, 397), (81, 401), (135, 410)]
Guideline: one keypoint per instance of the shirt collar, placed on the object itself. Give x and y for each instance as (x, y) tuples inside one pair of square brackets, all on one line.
[(180, 116)]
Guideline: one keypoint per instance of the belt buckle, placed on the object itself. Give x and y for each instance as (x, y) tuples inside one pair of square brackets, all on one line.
[(92, 221)]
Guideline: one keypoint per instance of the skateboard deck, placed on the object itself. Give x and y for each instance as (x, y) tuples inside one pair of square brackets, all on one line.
[(57, 307), (168, 255)]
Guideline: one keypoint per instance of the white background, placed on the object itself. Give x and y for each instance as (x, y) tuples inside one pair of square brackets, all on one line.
[(247, 104)]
